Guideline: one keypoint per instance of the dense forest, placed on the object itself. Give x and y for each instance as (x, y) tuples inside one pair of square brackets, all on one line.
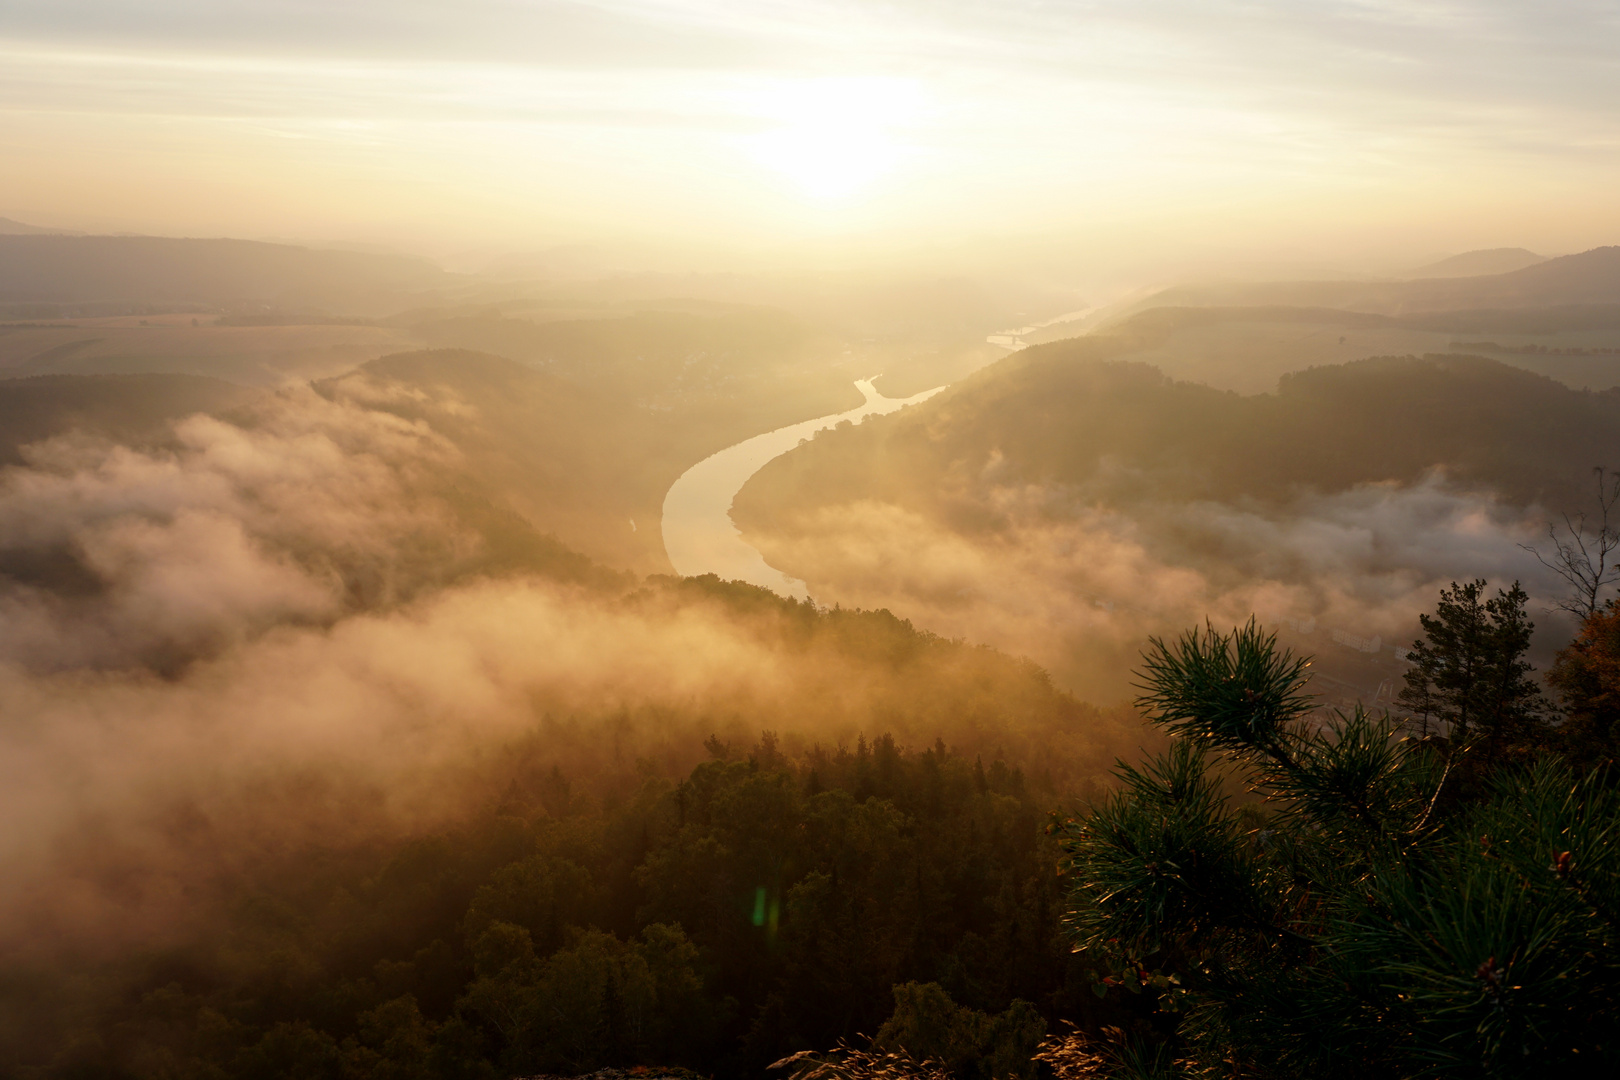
[(588, 910), (1275, 889), (757, 906)]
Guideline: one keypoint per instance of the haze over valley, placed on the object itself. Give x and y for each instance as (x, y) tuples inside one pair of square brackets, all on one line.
[(729, 541)]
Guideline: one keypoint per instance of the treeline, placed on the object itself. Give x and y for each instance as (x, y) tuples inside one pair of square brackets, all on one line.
[(762, 904)]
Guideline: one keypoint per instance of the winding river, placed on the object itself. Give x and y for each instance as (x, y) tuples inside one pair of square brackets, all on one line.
[(699, 536)]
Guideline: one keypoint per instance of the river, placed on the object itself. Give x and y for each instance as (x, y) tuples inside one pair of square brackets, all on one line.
[(699, 536)]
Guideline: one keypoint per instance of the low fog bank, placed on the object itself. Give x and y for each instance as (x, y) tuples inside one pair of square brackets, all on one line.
[(1064, 505), (138, 789), (302, 626), (116, 556), (1044, 571), (148, 798)]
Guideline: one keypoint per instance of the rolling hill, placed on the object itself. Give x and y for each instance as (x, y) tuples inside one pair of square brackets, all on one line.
[(588, 466)]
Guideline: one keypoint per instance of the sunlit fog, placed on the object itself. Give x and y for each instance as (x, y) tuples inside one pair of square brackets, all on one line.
[(719, 540)]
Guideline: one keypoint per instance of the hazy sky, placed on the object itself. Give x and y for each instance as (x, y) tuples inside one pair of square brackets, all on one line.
[(1126, 128)]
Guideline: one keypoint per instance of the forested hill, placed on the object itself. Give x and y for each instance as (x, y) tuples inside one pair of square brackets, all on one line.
[(663, 358), (1064, 413), (714, 882)]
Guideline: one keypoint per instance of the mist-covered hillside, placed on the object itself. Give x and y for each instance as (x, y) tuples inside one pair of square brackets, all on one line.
[(583, 464), (1064, 504), (1125, 432), (128, 409), (736, 372), (331, 760), (602, 829), (193, 344), (1479, 263)]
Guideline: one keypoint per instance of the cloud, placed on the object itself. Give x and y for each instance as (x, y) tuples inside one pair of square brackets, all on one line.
[(1078, 588), (116, 557), (248, 643), (131, 796), (244, 643), (239, 643), (1040, 117)]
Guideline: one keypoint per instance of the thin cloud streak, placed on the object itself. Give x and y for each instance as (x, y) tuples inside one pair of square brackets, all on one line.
[(1037, 118)]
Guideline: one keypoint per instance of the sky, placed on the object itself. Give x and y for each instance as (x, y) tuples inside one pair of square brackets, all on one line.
[(1126, 132)]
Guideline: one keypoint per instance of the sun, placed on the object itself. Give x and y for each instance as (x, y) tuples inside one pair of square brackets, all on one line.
[(833, 138)]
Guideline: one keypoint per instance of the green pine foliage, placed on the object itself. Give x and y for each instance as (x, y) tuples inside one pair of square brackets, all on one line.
[(1360, 920)]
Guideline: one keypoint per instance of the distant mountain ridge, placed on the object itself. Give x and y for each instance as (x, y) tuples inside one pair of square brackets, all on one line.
[(1480, 263), (11, 227), (1590, 277), (167, 270)]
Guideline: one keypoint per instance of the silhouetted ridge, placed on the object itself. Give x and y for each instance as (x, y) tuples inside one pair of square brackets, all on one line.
[(1478, 263)]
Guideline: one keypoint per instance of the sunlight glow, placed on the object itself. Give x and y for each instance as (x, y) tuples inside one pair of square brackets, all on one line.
[(833, 138)]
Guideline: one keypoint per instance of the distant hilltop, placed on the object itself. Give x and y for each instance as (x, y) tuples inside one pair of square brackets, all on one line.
[(1480, 263), (8, 227)]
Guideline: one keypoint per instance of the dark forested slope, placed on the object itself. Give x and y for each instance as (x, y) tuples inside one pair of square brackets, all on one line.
[(1064, 413)]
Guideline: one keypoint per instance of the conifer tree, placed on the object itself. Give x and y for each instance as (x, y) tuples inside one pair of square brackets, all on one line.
[(1352, 924), (1469, 673)]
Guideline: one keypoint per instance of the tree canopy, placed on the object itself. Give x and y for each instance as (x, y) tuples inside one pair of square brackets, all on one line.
[(1469, 671)]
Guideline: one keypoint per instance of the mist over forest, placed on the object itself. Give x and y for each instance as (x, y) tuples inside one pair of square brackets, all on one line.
[(354, 721), (714, 540)]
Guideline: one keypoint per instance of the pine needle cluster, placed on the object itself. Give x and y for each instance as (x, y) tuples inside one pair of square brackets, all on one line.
[(1346, 916)]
